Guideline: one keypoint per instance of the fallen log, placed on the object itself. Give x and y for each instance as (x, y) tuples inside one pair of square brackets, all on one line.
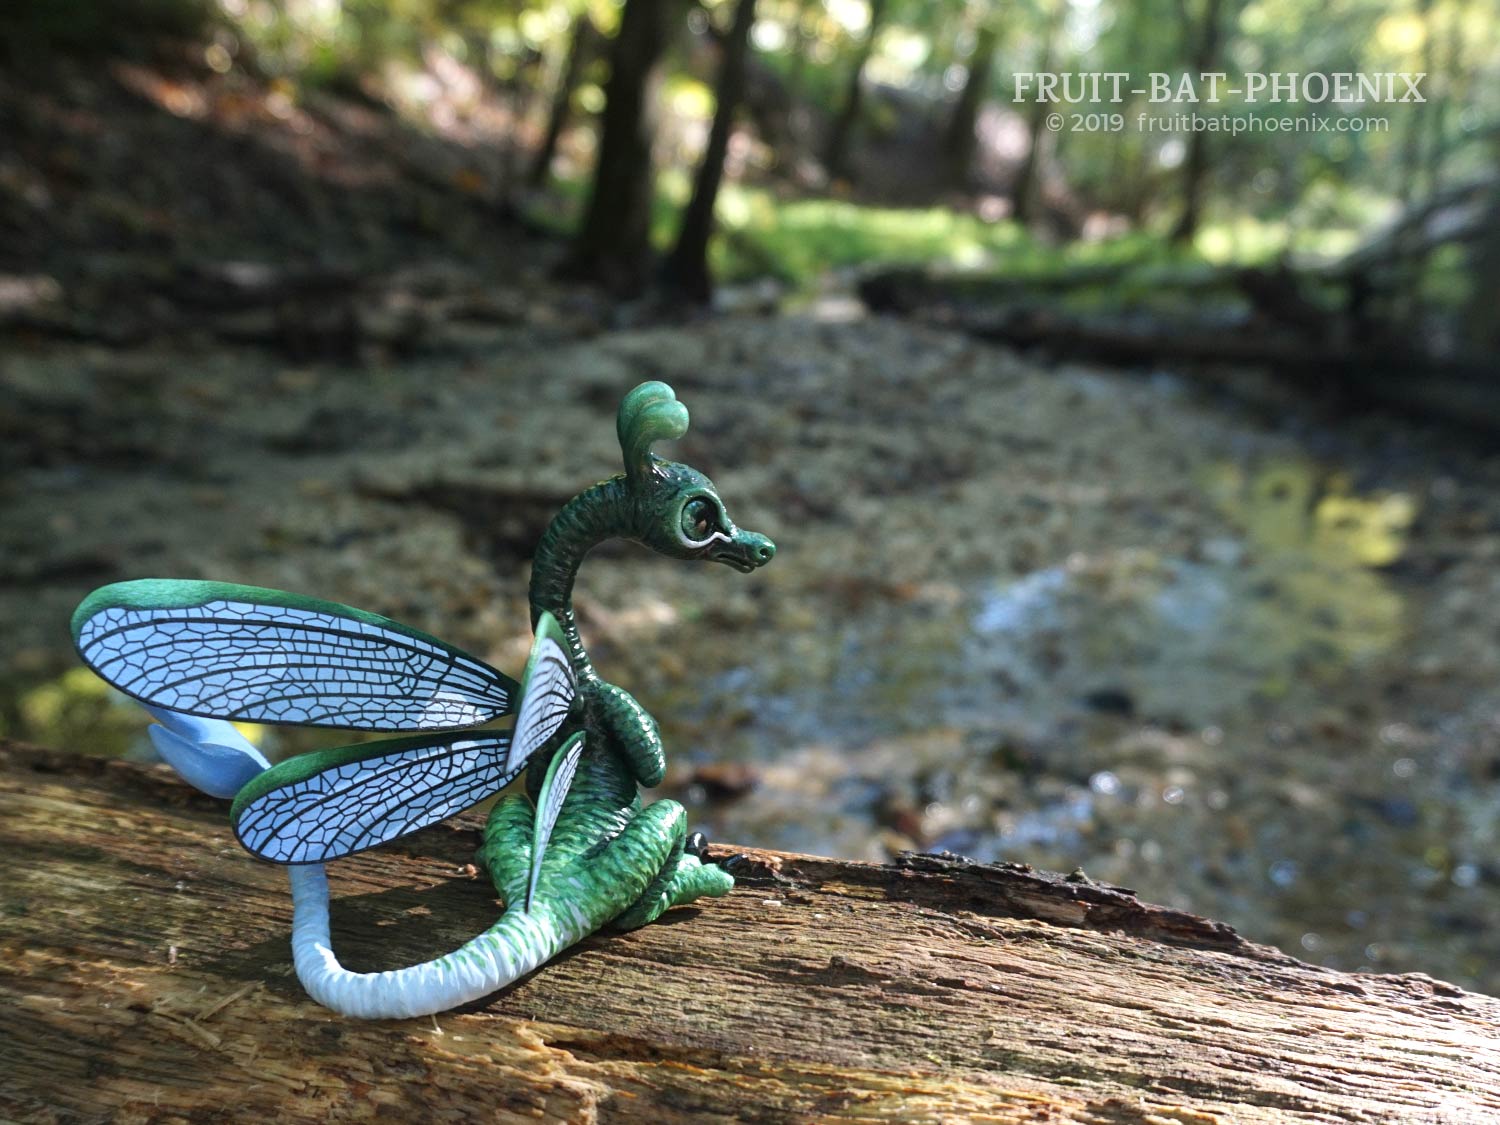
[(1338, 365), (147, 977)]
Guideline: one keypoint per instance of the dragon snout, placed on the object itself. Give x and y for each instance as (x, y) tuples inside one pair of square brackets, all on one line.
[(761, 549), (746, 551)]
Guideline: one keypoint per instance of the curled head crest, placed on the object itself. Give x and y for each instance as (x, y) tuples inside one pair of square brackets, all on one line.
[(650, 413)]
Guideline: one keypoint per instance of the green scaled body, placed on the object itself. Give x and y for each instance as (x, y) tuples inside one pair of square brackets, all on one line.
[(609, 858)]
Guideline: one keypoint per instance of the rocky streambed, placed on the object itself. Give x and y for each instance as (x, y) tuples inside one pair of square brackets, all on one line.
[(1238, 657)]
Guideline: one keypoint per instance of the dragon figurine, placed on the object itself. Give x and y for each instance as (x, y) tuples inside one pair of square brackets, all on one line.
[(577, 851)]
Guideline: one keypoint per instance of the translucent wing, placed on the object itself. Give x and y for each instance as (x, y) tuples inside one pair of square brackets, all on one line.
[(549, 803), (332, 803), (225, 651), (547, 691)]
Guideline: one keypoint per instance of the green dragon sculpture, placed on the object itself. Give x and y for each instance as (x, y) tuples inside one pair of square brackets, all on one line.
[(578, 851)]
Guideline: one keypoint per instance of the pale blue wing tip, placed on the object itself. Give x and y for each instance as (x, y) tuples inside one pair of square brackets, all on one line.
[(209, 753)]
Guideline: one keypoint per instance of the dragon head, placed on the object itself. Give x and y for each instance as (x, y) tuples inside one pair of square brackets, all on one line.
[(678, 511)]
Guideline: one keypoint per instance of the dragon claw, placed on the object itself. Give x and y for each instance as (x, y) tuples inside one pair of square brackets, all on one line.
[(696, 845)]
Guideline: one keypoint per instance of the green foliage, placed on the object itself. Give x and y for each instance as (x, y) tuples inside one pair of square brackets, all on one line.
[(1266, 192), (798, 242), (801, 240)]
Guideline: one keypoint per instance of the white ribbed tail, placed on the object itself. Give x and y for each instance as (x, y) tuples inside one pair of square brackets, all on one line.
[(515, 945), (504, 953)]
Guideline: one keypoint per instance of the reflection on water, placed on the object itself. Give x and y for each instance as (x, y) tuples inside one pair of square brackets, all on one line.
[(1292, 600)]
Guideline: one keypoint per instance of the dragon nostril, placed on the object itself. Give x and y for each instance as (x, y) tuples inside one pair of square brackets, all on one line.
[(766, 551)]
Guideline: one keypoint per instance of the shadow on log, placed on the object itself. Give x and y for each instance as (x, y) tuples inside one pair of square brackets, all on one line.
[(148, 976)]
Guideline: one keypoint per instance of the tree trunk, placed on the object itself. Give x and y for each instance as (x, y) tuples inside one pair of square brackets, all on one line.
[(1023, 196), (1450, 87), (580, 43), (614, 244), (686, 269), (1480, 322), (958, 139), (1419, 116), (1195, 167), (148, 978), (840, 135), (1127, 163)]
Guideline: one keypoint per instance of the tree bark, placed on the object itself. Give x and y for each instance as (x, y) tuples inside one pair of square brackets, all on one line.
[(841, 134), (147, 977), (685, 271), (958, 139), (580, 44), (614, 244)]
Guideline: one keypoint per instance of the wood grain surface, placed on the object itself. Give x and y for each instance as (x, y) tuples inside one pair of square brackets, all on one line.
[(147, 977)]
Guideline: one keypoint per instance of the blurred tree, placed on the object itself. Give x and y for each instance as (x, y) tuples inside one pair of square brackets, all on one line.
[(1447, 77), (1023, 194), (1124, 166), (614, 244), (581, 45), (1418, 119), (958, 137), (686, 268), (840, 134), (1203, 37), (1482, 314)]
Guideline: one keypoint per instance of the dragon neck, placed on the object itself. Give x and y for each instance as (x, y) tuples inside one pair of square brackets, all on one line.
[(594, 515)]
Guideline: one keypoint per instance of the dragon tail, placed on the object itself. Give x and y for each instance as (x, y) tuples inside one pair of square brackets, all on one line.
[(515, 945)]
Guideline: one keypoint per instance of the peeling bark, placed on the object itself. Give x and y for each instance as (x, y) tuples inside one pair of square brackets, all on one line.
[(147, 977)]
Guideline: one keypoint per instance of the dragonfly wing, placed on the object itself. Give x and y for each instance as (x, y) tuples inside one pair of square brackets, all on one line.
[(332, 803), (226, 651), (549, 685), (549, 803)]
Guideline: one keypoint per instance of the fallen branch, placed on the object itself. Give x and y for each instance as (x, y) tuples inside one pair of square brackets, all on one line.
[(1282, 335), (930, 990)]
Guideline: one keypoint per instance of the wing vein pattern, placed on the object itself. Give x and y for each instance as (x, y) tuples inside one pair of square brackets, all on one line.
[(313, 666), (389, 790), (550, 685)]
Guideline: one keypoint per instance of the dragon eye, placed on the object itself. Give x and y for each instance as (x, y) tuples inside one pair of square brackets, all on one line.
[(698, 518)]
